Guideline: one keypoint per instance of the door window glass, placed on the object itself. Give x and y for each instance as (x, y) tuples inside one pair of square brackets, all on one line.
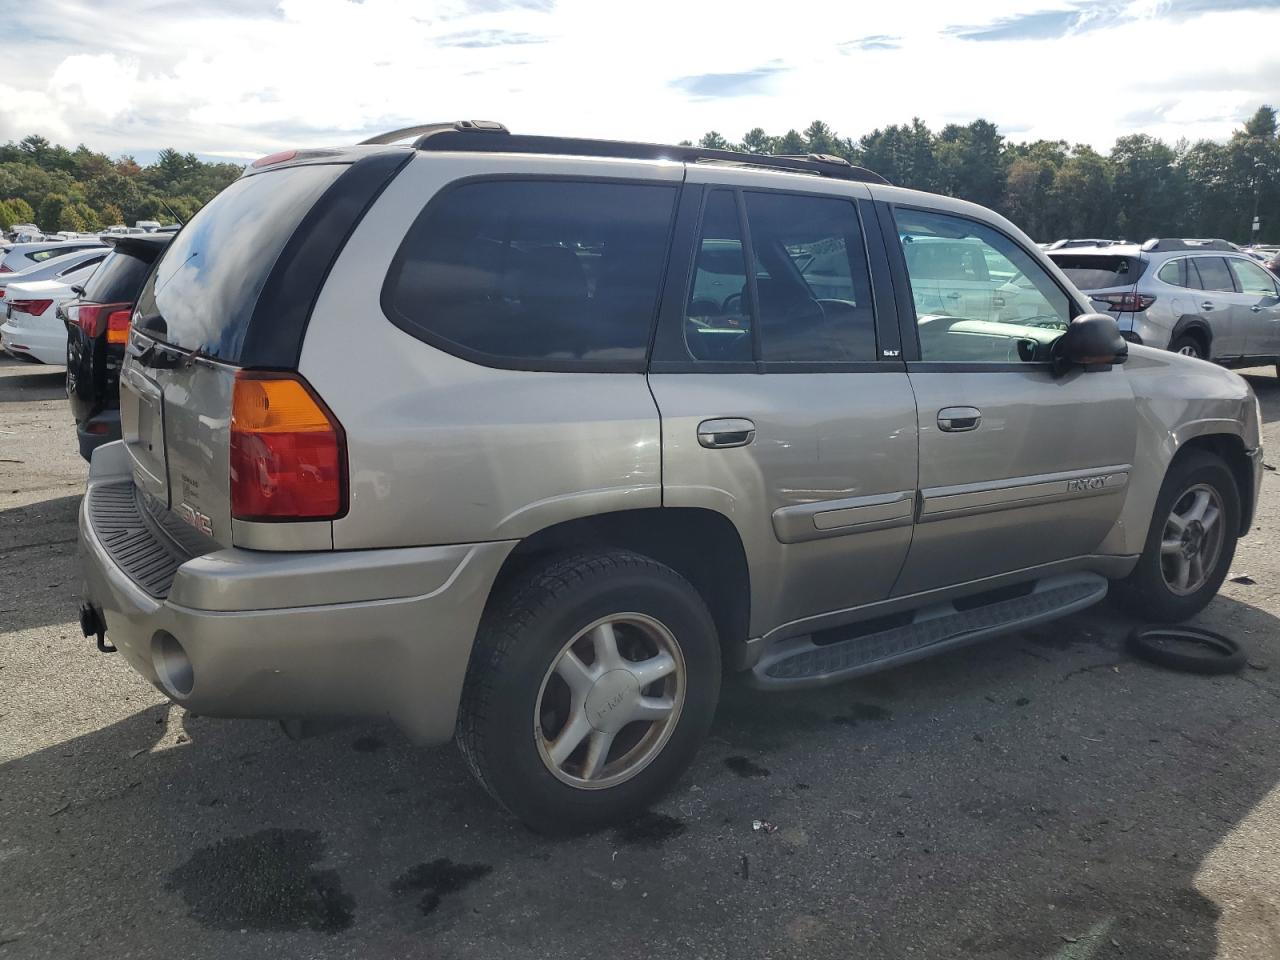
[(1214, 275), (1252, 278), (979, 297), (812, 281), (717, 322)]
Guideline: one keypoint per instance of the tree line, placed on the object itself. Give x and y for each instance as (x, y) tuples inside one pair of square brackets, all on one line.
[(1142, 188), (81, 189)]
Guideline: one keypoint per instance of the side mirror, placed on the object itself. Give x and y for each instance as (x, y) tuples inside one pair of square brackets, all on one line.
[(1091, 340)]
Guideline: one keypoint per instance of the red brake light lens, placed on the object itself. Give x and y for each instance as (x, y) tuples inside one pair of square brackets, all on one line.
[(118, 326), (33, 307), (1127, 302), (274, 158), (97, 318), (288, 451), (4, 269)]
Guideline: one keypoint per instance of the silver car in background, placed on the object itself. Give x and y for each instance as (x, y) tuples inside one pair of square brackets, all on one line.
[(523, 440), (1200, 298)]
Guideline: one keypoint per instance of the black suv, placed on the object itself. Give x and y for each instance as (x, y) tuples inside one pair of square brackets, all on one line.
[(97, 330)]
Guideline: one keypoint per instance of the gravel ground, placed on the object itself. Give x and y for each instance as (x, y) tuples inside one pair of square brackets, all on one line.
[(1038, 796)]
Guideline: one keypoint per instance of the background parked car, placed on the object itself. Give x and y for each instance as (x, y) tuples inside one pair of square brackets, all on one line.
[(1081, 242), (53, 268), (32, 330), (1202, 298), (22, 256), (97, 325)]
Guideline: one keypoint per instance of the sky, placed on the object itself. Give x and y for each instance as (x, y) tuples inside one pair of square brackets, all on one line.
[(240, 78)]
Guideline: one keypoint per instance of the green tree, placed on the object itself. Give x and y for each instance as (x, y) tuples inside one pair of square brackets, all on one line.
[(1150, 189), (20, 210), (819, 138), (109, 215), (790, 143), (75, 216), (711, 140), (972, 163), (50, 213), (903, 154), (756, 140)]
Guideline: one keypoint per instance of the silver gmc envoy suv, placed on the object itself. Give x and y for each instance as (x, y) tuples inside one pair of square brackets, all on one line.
[(524, 440)]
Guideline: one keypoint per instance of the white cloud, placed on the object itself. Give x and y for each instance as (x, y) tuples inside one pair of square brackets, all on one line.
[(244, 77)]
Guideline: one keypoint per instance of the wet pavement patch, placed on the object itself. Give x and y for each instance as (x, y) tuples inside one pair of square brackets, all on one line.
[(744, 767), (367, 744), (650, 830), (263, 881), (863, 711), (436, 879)]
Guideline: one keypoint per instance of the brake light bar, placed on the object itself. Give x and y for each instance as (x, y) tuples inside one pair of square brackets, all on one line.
[(288, 451), (33, 307), (1126, 302), (274, 158)]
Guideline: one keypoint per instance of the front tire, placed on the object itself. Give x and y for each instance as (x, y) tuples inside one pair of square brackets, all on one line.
[(1190, 545), (593, 681)]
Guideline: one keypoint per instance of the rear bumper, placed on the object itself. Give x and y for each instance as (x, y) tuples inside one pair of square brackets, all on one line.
[(43, 345), (241, 633)]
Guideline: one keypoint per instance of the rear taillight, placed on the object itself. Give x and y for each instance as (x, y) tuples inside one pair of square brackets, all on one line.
[(4, 269), (288, 452), (33, 307), (97, 318), (1126, 302)]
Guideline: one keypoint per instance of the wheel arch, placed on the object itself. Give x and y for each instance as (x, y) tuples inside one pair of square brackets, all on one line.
[(701, 545), (1229, 448), (1194, 326)]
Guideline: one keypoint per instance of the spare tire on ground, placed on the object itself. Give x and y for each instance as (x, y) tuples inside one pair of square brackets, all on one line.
[(1189, 649)]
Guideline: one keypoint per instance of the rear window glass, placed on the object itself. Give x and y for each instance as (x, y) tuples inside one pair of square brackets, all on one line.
[(1098, 273), (117, 280), (202, 293), (535, 274)]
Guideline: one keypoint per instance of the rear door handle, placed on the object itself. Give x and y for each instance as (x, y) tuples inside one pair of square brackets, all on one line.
[(959, 419), (1256, 309), (1207, 305), (953, 296), (728, 432)]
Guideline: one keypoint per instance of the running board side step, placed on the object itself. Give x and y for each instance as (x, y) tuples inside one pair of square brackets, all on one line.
[(800, 662)]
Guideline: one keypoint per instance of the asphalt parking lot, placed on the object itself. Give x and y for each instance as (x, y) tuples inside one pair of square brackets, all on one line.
[(1039, 796)]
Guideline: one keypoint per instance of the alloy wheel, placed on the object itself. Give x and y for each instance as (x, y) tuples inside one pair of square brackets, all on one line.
[(1192, 540), (610, 701)]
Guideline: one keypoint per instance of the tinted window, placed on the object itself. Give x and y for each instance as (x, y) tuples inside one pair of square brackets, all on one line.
[(717, 323), (91, 262), (1252, 278), (40, 256), (1214, 274), (535, 273), (202, 293), (1097, 273), (812, 282), (979, 297), (117, 280)]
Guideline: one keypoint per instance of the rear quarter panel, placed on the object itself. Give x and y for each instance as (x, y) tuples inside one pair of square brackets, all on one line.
[(442, 450)]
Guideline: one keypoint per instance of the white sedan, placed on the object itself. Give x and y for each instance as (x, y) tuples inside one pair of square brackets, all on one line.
[(32, 329)]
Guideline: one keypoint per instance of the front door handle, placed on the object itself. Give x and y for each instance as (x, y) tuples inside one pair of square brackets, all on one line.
[(1207, 305), (728, 432), (953, 296), (959, 419), (1256, 309)]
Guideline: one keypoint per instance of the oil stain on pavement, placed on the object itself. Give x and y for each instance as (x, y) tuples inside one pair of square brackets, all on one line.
[(743, 767), (437, 878), (264, 881), (650, 830)]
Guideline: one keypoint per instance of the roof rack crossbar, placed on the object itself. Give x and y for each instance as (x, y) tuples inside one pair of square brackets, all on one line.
[(479, 136), (1164, 244)]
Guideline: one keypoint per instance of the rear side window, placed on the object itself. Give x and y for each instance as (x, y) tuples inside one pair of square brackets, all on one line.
[(1174, 273), (1098, 273), (535, 274), (1214, 275), (202, 293), (117, 280)]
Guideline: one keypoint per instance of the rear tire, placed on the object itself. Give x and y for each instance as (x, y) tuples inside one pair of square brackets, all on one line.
[(1185, 559), (593, 681), (1189, 346)]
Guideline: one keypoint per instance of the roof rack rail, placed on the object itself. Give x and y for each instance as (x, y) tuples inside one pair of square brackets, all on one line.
[(1165, 244), (488, 136), (423, 130)]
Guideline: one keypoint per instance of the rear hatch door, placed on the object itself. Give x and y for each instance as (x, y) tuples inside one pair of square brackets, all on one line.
[(197, 322), (1102, 277)]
